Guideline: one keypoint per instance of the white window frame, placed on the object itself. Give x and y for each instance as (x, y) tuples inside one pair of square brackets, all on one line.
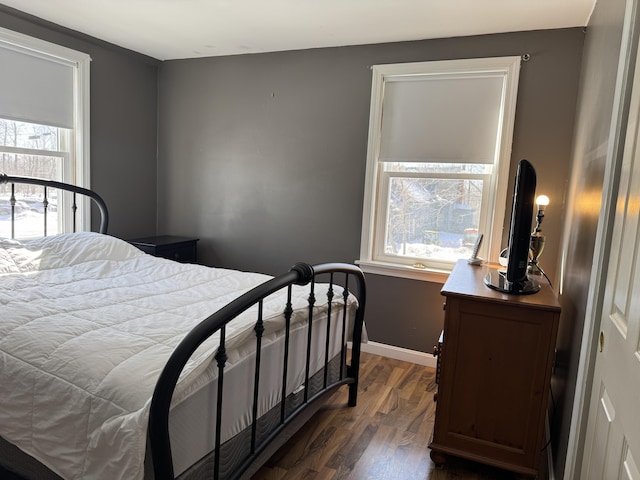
[(75, 168), (372, 257)]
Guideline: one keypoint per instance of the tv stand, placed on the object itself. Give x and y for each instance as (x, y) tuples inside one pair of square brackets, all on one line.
[(497, 280), (496, 360)]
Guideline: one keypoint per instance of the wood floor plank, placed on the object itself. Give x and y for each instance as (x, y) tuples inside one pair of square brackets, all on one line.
[(379, 451), (346, 458), (326, 474)]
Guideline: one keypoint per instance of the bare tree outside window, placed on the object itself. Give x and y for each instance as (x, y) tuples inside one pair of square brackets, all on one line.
[(433, 210)]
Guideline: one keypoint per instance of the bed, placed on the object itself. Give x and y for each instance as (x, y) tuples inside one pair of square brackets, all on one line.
[(117, 364)]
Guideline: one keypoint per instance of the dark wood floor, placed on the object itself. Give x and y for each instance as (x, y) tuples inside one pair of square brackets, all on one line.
[(384, 437)]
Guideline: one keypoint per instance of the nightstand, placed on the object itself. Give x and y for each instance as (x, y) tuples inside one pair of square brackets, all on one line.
[(180, 249)]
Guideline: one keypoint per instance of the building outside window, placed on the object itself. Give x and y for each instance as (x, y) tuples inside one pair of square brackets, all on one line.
[(44, 132), (438, 164)]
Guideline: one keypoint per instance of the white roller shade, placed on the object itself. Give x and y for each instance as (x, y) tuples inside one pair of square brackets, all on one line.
[(444, 119), (35, 88)]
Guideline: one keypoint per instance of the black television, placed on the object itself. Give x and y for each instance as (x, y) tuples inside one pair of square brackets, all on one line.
[(515, 279)]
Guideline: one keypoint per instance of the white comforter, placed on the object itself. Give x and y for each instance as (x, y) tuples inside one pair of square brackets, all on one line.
[(86, 324)]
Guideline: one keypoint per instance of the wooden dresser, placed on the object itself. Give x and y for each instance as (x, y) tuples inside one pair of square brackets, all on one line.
[(496, 361)]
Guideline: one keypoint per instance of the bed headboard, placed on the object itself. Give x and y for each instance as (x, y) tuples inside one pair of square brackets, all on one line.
[(97, 199)]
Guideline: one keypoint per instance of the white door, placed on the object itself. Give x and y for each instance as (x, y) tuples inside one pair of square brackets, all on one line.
[(612, 444)]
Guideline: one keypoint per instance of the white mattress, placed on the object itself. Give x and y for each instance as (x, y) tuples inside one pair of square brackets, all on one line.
[(87, 322)]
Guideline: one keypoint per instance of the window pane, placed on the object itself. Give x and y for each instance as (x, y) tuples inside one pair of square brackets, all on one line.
[(432, 218), (39, 166), (443, 168), (29, 135), (29, 207)]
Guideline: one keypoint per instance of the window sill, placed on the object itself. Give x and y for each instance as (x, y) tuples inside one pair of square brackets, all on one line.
[(404, 271)]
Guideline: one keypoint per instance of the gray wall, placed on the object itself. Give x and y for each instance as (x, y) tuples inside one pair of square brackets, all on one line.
[(263, 157), (123, 122), (589, 160)]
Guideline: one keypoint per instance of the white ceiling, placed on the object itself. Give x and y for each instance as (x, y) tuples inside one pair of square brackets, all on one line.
[(170, 29)]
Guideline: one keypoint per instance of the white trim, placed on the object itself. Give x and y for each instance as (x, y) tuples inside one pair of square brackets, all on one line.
[(507, 66), (404, 271), (51, 51), (398, 353), (371, 172), (82, 136), (504, 159)]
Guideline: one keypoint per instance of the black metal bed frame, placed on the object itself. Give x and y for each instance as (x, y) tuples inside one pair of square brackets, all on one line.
[(300, 274), (46, 184)]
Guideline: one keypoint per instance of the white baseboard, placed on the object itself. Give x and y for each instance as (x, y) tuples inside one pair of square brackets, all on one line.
[(399, 353)]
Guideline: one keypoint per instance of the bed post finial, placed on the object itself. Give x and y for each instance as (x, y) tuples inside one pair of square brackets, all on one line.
[(305, 271)]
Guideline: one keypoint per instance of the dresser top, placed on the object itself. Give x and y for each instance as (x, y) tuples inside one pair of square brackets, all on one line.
[(468, 281), (162, 240)]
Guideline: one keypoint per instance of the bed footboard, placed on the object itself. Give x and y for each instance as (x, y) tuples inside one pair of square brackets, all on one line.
[(349, 277)]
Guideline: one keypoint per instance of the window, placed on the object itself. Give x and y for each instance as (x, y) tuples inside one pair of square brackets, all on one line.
[(437, 164), (44, 131)]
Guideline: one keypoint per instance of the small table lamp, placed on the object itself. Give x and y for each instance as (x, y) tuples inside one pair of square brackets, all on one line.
[(537, 238)]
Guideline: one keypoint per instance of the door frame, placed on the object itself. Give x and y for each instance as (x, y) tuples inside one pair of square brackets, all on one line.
[(625, 82)]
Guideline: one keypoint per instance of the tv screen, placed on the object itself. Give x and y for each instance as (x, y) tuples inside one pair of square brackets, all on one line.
[(515, 279)]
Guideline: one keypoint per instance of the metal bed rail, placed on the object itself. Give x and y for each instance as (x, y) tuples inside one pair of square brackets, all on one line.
[(49, 184), (300, 274)]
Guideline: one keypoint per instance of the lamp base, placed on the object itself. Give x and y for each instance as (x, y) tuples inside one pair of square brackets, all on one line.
[(534, 269), (497, 280)]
